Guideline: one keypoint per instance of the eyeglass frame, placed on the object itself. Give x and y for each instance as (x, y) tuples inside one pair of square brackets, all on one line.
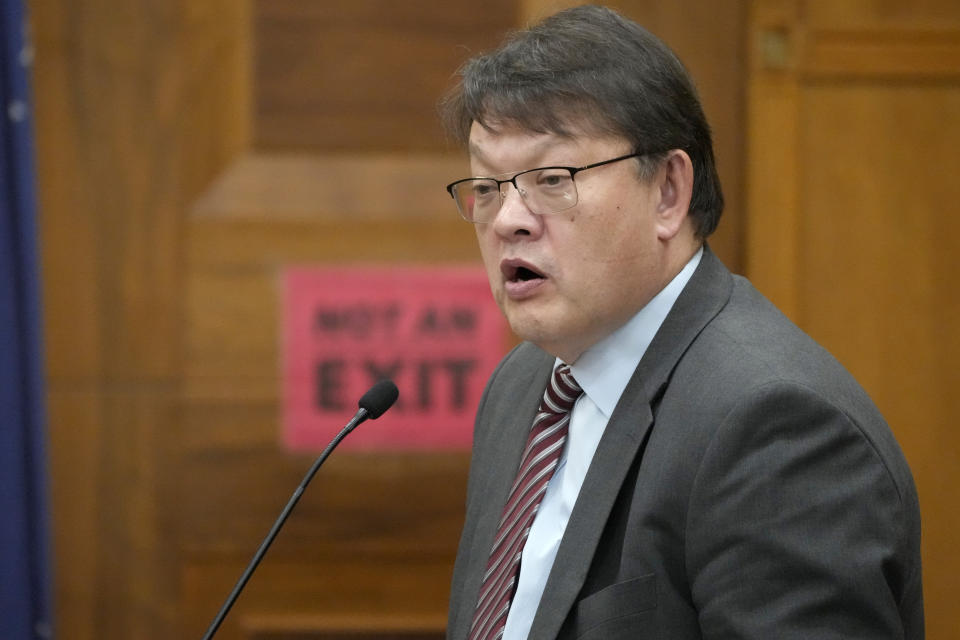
[(513, 180)]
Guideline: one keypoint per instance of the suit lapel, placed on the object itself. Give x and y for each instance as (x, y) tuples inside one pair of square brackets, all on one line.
[(505, 430), (703, 297), (616, 451)]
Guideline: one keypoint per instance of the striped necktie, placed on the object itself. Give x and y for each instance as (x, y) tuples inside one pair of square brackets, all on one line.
[(540, 458)]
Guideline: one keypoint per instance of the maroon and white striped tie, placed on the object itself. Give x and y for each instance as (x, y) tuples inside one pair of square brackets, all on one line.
[(540, 458)]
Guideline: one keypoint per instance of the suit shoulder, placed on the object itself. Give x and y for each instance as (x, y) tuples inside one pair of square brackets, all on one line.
[(523, 363), (752, 355), (755, 340), (526, 367)]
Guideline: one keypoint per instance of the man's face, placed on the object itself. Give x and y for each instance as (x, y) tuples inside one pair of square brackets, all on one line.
[(566, 280)]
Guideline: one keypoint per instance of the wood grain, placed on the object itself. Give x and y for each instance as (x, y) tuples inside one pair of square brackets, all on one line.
[(346, 75)]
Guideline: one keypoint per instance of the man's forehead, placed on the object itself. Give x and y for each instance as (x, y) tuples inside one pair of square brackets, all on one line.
[(511, 147), (485, 142)]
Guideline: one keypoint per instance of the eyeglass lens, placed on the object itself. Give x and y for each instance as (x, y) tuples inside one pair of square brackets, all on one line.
[(543, 190)]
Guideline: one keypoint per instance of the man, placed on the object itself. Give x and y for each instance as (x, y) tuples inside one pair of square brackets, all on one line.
[(719, 474)]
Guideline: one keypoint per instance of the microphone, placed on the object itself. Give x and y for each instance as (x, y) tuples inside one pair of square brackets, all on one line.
[(378, 399), (373, 404)]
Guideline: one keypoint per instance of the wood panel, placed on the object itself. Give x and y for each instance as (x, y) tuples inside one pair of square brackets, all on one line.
[(75, 441), (125, 101), (335, 75), (274, 604), (136, 575), (126, 182), (405, 627), (855, 119)]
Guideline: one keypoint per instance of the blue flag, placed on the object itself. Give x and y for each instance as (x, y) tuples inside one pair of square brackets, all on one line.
[(24, 550)]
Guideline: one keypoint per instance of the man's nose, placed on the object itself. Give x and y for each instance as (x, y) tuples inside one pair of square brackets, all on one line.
[(514, 216)]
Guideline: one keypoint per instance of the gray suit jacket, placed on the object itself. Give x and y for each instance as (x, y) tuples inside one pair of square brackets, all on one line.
[(745, 487)]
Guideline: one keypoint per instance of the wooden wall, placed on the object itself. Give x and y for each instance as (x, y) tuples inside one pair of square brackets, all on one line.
[(138, 107), (187, 151), (853, 227)]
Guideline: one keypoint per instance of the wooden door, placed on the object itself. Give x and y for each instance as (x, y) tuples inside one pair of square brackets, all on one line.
[(852, 219)]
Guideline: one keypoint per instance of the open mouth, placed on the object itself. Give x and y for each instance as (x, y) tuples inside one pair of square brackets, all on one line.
[(520, 273), (523, 274), (521, 280)]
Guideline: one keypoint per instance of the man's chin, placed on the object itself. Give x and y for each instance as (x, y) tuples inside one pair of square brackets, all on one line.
[(536, 329)]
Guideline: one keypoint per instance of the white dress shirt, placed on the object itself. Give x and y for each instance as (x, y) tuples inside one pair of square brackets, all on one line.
[(603, 372)]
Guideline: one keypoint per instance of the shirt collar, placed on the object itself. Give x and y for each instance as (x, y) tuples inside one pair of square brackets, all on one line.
[(604, 370)]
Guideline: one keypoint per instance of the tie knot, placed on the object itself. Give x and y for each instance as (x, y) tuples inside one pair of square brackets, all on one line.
[(562, 392)]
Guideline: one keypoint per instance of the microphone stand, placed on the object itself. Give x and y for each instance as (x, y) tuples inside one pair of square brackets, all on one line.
[(360, 416)]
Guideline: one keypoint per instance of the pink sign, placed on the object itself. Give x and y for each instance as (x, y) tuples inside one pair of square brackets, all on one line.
[(436, 332)]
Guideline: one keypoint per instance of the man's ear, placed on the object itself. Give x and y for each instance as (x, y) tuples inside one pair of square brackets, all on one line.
[(675, 181)]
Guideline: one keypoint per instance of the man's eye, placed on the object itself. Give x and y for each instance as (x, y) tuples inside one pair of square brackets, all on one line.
[(482, 190), (553, 179)]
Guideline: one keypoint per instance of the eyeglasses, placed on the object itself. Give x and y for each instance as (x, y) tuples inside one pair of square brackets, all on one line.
[(544, 190)]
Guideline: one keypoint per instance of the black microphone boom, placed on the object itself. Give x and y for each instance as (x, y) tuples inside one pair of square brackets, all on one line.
[(373, 404)]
